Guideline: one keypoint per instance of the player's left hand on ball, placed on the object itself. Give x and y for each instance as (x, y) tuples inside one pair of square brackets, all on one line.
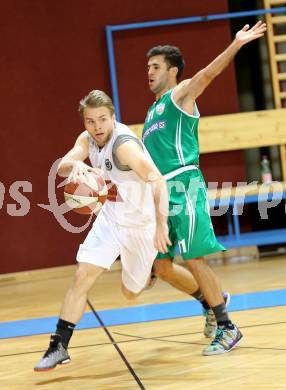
[(161, 239)]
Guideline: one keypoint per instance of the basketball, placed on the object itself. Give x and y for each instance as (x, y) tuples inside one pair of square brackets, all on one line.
[(86, 197)]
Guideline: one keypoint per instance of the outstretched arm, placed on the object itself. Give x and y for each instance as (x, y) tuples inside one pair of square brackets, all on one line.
[(188, 90), (131, 154)]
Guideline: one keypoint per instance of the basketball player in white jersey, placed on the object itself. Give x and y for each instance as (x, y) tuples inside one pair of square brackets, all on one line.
[(134, 227)]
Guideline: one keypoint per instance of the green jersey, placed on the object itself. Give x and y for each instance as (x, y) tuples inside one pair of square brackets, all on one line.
[(171, 135)]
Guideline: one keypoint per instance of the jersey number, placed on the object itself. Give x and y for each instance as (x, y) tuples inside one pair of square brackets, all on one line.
[(182, 246)]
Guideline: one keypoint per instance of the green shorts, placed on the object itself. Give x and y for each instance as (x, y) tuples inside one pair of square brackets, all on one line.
[(189, 220)]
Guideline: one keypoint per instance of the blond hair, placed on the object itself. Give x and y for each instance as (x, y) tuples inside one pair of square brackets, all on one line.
[(94, 99)]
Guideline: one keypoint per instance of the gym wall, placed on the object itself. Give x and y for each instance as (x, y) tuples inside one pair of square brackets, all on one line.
[(53, 53)]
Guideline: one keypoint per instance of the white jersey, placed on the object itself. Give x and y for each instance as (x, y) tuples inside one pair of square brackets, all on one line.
[(137, 205)]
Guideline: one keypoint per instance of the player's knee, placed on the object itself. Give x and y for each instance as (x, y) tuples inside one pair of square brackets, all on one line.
[(130, 295), (163, 269), (195, 264), (81, 275), (84, 277)]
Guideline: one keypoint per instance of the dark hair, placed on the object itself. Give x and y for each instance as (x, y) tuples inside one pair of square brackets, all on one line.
[(172, 56), (96, 98)]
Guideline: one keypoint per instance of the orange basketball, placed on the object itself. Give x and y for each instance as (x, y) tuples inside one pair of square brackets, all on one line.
[(87, 197)]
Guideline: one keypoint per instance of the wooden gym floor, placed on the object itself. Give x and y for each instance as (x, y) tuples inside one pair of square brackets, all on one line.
[(162, 351)]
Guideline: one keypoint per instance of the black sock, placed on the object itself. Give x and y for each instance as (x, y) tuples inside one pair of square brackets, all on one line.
[(221, 316), (65, 330), (205, 305), (198, 295)]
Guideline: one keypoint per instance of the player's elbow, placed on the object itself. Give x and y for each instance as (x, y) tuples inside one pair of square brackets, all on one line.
[(61, 171)]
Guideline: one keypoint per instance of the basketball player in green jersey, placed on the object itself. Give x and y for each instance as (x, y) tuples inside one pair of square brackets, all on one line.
[(170, 135)]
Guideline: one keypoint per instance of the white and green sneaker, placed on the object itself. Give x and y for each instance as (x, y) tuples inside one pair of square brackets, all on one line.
[(210, 322), (225, 340)]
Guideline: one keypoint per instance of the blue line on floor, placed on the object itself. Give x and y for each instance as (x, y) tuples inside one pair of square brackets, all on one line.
[(146, 313)]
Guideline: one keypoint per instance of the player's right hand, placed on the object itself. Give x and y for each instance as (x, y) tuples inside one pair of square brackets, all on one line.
[(161, 239)]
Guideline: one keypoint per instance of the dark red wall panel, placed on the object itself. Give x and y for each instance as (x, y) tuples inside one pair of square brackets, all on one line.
[(52, 54)]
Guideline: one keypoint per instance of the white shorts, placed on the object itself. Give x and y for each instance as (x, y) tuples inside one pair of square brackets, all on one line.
[(107, 240)]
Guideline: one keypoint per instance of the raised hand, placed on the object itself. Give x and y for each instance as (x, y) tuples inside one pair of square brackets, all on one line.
[(247, 34)]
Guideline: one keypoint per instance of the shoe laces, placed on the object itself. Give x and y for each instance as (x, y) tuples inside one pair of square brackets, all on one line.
[(218, 336)]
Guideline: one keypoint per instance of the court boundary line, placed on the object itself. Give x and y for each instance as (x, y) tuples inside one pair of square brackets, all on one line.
[(143, 313), (142, 338), (113, 342), (159, 338)]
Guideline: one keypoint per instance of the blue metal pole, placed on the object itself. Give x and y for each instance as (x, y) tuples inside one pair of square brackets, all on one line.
[(112, 71), (194, 19), (158, 23)]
